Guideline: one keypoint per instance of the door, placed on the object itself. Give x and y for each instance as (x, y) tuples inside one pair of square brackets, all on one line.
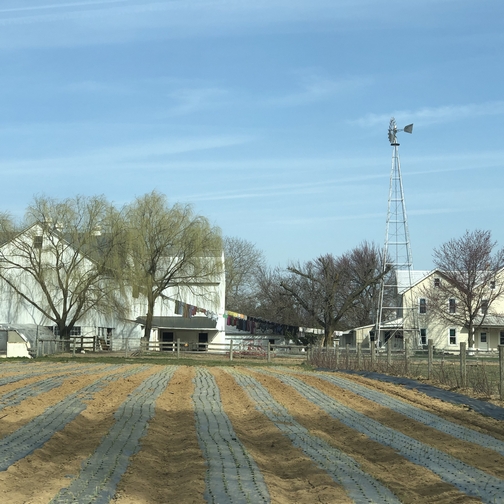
[(202, 340), (3, 342), (483, 342), (167, 339)]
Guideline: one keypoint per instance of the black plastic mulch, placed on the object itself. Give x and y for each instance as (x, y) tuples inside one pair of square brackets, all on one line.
[(477, 405)]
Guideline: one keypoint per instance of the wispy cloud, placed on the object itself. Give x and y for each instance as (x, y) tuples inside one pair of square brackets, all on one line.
[(59, 6), (433, 115), (96, 21), (123, 157), (313, 88), (190, 100)]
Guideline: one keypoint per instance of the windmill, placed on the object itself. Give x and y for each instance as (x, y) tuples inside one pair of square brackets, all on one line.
[(397, 262)]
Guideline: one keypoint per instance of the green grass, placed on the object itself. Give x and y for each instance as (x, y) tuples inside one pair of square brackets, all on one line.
[(199, 360)]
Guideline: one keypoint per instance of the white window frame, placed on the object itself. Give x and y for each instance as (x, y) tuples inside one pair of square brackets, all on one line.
[(450, 305), (450, 336), (423, 337), (422, 305), (75, 331)]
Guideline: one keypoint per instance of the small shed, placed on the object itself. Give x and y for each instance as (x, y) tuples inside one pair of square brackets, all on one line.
[(20, 340)]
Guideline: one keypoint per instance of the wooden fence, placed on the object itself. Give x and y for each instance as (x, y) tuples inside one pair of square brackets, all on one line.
[(76, 344), (232, 350), (483, 371)]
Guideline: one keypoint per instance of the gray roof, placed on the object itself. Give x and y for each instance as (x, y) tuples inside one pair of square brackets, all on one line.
[(406, 279), (491, 321), (196, 322), (29, 331)]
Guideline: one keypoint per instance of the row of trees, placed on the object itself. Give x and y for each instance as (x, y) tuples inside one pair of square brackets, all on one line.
[(331, 293), (69, 257), (340, 293)]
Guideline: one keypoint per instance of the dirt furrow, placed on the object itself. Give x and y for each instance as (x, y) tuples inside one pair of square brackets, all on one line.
[(482, 458), (38, 477), (169, 466), (410, 482), (290, 475), (454, 413)]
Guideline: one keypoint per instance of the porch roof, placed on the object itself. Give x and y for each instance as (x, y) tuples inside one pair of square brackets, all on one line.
[(491, 321), (181, 323)]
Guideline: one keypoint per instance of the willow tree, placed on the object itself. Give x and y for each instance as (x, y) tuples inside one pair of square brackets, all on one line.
[(169, 248), (63, 260), (244, 265)]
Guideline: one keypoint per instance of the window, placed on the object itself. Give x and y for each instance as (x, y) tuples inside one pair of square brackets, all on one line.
[(492, 284), (37, 242), (501, 340), (484, 305), (453, 337), (75, 331), (437, 282), (423, 305), (452, 307), (483, 337), (423, 336)]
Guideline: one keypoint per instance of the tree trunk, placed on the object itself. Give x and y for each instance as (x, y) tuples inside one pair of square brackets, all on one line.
[(65, 337), (149, 317), (470, 335)]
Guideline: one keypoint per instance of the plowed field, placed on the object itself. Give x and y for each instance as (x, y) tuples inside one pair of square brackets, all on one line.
[(131, 433)]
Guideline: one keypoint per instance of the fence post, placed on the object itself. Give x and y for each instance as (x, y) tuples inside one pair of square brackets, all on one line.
[(336, 351), (347, 356), (231, 350), (406, 367), (359, 356), (430, 359), (178, 348), (372, 353), (269, 352), (73, 350), (389, 352), (463, 368), (501, 368), (126, 348)]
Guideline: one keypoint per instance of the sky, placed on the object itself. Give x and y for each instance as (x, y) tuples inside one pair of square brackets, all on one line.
[(269, 117)]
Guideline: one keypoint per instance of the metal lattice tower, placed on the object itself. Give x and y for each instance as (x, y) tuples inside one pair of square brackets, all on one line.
[(397, 261)]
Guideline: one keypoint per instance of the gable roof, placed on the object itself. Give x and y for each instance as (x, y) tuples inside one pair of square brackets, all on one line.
[(407, 279)]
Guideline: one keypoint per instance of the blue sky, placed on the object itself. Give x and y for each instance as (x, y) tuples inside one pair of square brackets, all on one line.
[(269, 117)]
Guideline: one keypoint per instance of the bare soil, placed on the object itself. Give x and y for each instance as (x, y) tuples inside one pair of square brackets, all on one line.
[(169, 466)]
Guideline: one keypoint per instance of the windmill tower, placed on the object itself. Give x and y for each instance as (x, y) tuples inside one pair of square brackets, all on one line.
[(396, 318)]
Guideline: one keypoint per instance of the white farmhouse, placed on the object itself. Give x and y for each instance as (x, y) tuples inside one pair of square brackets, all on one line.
[(194, 314)]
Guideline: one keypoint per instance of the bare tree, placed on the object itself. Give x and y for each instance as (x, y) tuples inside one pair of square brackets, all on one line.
[(243, 263), (169, 247), (467, 287), (335, 292), (272, 302), (63, 259)]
